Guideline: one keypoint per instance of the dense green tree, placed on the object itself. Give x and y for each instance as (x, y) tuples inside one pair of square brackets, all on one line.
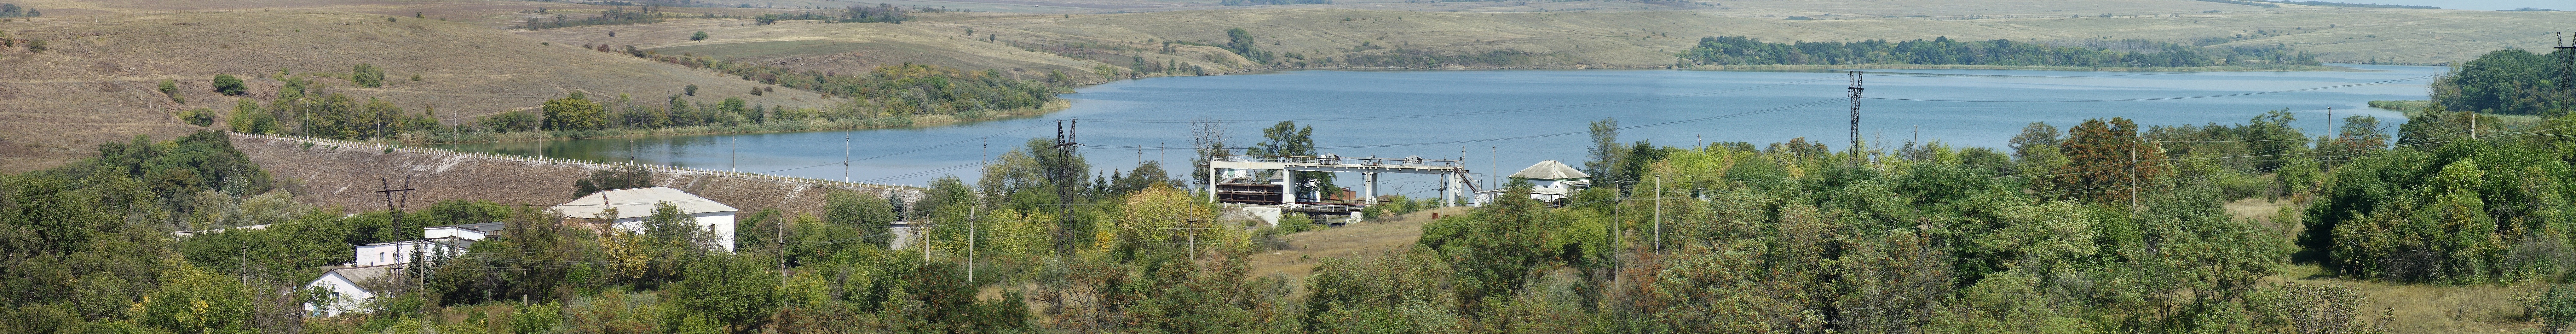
[(736, 291), (2509, 81), (700, 36), (1605, 156), (574, 112), (871, 216), (194, 300), (2106, 160), (1288, 139), (1241, 43)]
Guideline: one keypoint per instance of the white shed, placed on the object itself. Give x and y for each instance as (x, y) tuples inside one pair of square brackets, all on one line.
[(635, 204), (345, 289)]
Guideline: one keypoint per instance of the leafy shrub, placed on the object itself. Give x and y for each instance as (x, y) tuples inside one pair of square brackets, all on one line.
[(367, 75), (198, 116), (700, 36), (514, 121), (171, 88), (228, 85), (613, 179)]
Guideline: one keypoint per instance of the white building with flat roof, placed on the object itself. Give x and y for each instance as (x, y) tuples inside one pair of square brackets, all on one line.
[(400, 252), (635, 204), (464, 231)]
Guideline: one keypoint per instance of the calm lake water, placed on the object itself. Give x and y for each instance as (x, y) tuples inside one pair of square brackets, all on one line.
[(1479, 114)]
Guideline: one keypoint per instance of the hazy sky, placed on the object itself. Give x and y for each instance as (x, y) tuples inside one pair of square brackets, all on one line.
[(2478, 4)]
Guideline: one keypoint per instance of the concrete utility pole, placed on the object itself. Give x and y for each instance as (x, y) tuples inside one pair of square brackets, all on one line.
[(845, 152), (1855, 120), (781, 241), (1659, 214), (921, 235)]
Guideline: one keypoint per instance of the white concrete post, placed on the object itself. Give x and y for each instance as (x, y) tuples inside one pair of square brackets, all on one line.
[(1287, 187), (1368, 195), (1448, 190)]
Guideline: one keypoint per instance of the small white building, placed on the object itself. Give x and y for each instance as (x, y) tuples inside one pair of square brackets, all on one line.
[(185, 234), (345, 289), (1549, 181), (400, 252), (474, 232), (634, 205)]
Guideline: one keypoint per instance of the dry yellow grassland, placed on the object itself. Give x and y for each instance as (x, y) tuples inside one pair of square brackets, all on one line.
[(95, 81)]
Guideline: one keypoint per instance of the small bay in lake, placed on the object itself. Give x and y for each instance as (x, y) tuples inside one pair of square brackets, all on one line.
[(1502, 121)]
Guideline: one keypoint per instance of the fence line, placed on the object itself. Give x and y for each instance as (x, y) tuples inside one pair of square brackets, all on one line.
[(336, 143)]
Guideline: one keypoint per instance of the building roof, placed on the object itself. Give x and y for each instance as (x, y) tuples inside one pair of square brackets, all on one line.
[(483, 227), (1551, 170), (444, 241), (364, 274), (638, 202)]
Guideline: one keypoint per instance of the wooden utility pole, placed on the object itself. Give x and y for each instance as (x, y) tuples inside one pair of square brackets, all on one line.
[(2133, 174)]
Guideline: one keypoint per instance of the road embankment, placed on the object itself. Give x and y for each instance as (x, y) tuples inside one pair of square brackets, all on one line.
[(348, 175)]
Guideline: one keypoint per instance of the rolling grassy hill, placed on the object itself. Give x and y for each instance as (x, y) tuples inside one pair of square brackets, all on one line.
[(96, 81), (1589, 39)]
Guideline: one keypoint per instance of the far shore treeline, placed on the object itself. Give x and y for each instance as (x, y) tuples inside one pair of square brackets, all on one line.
[(1738, 50)]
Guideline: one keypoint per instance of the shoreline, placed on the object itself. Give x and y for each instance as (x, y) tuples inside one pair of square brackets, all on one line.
[(1061, 104), (809, 125)]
